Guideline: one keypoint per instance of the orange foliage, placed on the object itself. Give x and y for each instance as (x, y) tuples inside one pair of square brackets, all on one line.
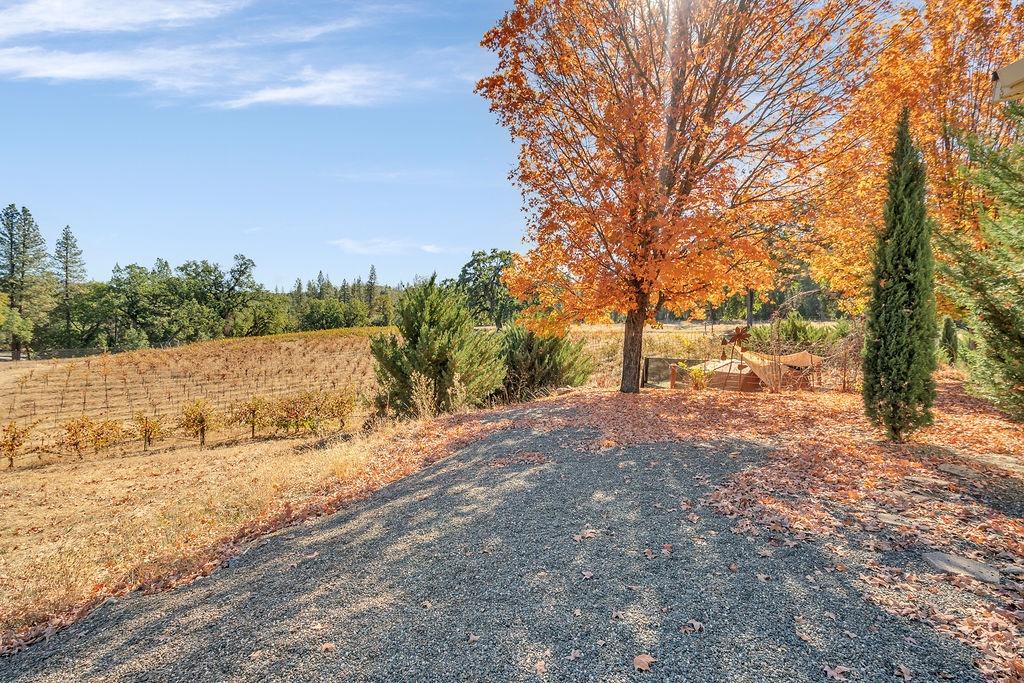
[(664, 144), (937, 60)]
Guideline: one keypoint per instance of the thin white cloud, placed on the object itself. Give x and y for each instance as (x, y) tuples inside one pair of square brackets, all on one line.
[(342, 87), (438, 249), (181, 69), (305, 34), (275, 62), (379, 246), (71, 16)]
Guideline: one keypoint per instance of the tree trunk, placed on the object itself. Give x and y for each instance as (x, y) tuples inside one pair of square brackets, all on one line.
[(632, 348), (15, 347), (750, 308)]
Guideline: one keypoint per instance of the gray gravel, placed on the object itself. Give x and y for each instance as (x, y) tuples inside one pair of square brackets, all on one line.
[(391, 588)]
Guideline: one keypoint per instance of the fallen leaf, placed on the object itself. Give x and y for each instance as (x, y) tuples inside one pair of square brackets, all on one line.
[(666, 549), (540, 667), (692, 626), (472, 638), (328, 647), (643, 662), (426, 604), (835, 674), (601, 643), (734, 567), (764, 578), (588, 575), (903, 671), (616, 614), (649, 553), (574, 655)]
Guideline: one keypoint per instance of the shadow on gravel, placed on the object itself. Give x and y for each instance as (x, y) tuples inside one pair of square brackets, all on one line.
[(994, 487), (517, 559)]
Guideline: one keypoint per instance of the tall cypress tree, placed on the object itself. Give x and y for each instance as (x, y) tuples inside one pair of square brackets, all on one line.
[(70, 267), (899, 351)]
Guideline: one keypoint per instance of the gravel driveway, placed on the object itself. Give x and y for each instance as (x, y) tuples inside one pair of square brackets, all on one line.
[(514, 560)]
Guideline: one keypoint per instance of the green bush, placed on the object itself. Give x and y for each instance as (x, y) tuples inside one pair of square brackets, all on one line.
[(700, 377), (460, 366), (793, 331), (536, 364)]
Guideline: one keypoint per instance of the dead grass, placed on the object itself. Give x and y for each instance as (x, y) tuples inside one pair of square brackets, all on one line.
[(604, 344), (74, 533)]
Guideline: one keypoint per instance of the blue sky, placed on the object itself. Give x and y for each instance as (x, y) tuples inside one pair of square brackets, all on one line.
[(307, 134)]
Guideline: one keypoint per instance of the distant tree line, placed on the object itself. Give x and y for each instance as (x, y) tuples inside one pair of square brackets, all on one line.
[(48, 303)]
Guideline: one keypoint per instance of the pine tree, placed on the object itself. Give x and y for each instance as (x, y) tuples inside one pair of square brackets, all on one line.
[(23, 270), (297, 294), (440, 362), (371, 288), (900, 334), (70, 267), (989, 283)]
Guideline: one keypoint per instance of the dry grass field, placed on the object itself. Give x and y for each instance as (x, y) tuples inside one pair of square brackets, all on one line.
[(604, 344), (159, 382), (76, 531)]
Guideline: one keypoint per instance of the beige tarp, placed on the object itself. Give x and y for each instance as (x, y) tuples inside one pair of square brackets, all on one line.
[(774, 370)]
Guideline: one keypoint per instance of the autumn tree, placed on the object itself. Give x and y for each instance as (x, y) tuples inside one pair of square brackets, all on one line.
[(936, 58), (900, 332), (662, 143)]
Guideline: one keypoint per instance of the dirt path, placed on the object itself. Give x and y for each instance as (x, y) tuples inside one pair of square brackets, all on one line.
[(521, 558)]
